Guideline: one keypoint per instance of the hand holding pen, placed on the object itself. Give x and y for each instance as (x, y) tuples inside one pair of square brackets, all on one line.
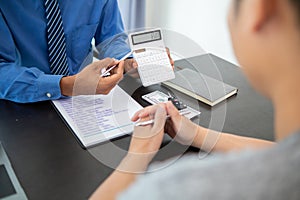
[(179, 106), (106, 71), (89, 81), (146, 140), (177, 126)]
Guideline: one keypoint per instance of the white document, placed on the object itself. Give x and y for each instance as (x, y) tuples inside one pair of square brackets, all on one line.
[(98, 118)]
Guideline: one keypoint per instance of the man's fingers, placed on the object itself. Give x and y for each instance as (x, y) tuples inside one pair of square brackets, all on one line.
[(134, 64), (170, 58), (107, 62), (168, 50), (106, 84), (116, 76), (120, 68), (131, 63), (114, 62)]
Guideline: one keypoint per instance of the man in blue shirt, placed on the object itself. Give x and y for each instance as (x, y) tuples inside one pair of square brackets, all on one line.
[(25, 74)]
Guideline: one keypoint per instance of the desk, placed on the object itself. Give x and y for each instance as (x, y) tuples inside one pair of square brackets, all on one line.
[(51, 165)]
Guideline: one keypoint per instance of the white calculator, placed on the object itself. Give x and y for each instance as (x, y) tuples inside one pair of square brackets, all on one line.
[(151, 56)]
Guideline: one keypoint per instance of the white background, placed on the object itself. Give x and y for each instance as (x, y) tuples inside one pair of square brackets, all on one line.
[(203, 21)]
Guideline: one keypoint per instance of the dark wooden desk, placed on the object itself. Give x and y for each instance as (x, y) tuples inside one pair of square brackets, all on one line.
[(51, 165)]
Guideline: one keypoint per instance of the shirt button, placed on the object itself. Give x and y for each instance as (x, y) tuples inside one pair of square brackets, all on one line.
[(49, 95)]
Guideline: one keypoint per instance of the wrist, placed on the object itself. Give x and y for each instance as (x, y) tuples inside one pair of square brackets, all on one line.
[(135, 163), (199, 138), (66, 85)]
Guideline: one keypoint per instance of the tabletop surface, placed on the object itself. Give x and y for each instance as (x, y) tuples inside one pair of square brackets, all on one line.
[(50, 164)]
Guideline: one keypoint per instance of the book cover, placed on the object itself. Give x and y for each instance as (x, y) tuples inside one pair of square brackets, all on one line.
[(199, 86)]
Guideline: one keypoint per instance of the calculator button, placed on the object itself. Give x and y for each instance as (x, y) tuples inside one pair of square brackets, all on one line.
[(154, 67)]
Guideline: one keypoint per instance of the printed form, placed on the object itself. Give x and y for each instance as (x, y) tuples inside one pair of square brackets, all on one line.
[(98, 118)]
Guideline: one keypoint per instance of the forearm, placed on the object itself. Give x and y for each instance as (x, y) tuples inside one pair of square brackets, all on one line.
[(122, 177), (114, 185), (27, 84), (209, 140)]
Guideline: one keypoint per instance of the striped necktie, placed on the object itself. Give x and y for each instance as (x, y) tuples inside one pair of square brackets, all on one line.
[(56, 39)]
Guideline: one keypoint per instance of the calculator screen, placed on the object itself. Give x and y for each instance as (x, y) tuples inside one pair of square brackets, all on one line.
[(146, 37)]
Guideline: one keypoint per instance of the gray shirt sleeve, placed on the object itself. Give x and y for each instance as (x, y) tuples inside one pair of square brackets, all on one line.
[(269, 174)]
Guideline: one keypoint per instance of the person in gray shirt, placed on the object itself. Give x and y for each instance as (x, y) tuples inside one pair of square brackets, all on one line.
[(266, 40)]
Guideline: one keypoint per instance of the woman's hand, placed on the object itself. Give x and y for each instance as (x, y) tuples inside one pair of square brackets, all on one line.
[(147, 139), (177, 126), (145, 142)]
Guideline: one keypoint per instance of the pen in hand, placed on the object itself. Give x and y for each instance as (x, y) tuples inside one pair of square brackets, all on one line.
[(151, 121), (105, 72), (145, 123)]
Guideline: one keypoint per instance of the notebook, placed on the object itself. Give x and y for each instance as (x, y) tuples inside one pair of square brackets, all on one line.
[(98, 118), (199, 86)]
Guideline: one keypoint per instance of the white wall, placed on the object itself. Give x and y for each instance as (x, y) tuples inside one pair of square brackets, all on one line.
[(203, 21)]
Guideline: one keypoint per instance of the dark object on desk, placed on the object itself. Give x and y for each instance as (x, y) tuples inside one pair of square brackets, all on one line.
[(178, 104), (201, 87), (6, 186)]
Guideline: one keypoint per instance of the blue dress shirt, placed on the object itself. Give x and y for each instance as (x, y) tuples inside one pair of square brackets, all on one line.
[(24, 67)]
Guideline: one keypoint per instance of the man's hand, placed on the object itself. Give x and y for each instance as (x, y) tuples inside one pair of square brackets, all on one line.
[(89, 80), (130, 67), (171, 60)]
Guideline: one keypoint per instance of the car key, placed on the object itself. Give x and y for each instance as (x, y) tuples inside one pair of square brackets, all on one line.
[(178, 104)]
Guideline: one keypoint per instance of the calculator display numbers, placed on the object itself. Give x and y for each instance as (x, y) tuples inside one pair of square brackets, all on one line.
[(146, 37)]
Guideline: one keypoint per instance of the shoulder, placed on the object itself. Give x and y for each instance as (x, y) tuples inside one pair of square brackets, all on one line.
[(270, 173)]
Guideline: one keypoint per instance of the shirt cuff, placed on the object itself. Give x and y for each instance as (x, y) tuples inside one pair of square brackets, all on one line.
[(49, 87)]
